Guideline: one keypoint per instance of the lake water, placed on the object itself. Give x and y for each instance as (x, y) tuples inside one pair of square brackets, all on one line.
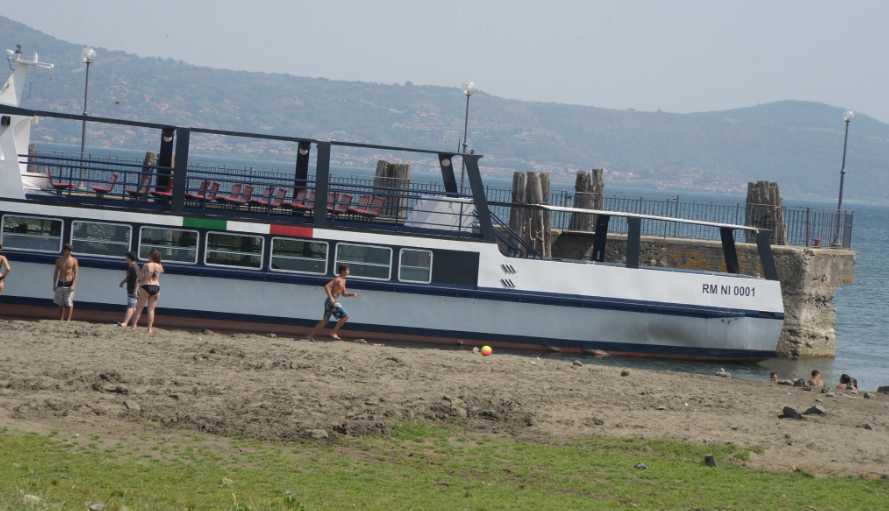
[(862, 307)]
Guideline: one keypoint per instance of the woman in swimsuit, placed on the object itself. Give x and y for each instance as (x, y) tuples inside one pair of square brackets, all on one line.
[(149, 289)]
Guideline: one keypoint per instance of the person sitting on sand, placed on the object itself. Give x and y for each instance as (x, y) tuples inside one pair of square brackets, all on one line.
[(64, 281), (847, 384), (5, 268), (815, 379), (334, 289), (150, 289), (773, 377)]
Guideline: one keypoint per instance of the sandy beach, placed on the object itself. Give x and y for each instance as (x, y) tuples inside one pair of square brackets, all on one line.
[(91, 377)]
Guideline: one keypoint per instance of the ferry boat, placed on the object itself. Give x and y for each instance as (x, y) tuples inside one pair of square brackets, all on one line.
[(251, 253)]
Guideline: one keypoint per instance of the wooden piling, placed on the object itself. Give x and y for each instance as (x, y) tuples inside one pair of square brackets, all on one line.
[(32, 159), (392, 180), (765, 209), (588, 194), (149, 164), (534, 226)]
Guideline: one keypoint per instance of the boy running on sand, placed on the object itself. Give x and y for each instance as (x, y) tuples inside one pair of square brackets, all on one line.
[(130, 280), (334, 289), (64, 281), (5, 268)]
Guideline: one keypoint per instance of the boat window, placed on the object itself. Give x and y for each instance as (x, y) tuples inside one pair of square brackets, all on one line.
[(31, 233), (236, 250), (365, 261), (100, 238), (299, 256), (415, 266), (175, 245)]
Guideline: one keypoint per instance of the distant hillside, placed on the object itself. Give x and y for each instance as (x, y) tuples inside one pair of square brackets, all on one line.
[(796, 143)]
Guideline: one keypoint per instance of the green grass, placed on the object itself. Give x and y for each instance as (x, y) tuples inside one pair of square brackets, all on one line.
[(419, 467)]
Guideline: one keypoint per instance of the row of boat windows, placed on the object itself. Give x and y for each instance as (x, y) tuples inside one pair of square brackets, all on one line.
[(244, 251)]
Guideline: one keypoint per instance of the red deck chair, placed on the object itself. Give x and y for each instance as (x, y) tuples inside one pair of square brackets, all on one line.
[(369, 206), (142, 189), (199, 195), (244, 199), (164, 193), (304, 200), (338, 203), (103, 188), (278, 199), (59, 186), (235, 193), (213, 189), (265, 199)]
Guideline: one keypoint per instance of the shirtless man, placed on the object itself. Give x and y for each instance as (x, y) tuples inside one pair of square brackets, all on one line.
[(334, 289), (5, 268), (64, 281)]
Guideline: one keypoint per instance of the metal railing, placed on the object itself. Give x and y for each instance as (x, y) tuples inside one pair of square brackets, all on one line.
[(802, 226)]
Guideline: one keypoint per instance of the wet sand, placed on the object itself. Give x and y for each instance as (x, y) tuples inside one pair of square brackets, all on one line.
[(98, 377)]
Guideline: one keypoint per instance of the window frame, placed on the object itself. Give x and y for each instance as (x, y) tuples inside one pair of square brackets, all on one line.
[(400, 265), (272, 255), (226, 233), (196, 249), (3, 232), (336, 260), (129, 243)]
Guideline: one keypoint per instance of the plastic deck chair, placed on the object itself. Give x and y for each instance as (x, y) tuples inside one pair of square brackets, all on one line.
[(164, 193), (265, 199), (369, 206), (103, 188), (338, 203), (59, 186), (235, 193), (244, 199), (304, 201), (199, 195), (212, 190)]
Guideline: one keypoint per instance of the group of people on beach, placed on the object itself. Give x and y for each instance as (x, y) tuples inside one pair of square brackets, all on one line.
[(142, 285), (816, 381), (143, 289)]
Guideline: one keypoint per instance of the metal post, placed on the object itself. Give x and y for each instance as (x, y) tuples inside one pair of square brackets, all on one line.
[(836, 237), (86, 87), (180, 163), (465, 134)]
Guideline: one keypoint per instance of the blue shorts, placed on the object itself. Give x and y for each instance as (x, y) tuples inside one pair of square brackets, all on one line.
[(334, 310), (131, 301)]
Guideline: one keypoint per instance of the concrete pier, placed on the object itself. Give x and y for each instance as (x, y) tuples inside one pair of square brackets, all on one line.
[(809, 279)]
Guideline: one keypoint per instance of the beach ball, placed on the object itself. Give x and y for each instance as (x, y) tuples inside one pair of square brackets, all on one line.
[(486, 351)]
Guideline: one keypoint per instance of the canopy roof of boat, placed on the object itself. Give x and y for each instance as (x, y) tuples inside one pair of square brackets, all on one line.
[(647, 217)]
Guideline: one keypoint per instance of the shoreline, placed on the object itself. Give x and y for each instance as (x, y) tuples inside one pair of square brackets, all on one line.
[(92, 376)]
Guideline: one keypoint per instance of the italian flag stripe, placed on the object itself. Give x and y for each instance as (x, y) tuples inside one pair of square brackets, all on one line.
[(297, 231), (204, 223)]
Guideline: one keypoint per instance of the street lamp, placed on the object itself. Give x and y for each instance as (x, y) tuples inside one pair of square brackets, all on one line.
[(88, 55), (847, 118), (468, 89)]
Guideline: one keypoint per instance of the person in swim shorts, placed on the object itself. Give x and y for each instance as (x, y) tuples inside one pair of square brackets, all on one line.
[(64, 282), (332, 307), (5, 268)]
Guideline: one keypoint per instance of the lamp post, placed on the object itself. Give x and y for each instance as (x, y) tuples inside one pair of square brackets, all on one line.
[(88, 55), (468, 89), (847, 118)]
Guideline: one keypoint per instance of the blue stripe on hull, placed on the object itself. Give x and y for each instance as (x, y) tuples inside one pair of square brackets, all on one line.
[(510, 295), (205, 319)]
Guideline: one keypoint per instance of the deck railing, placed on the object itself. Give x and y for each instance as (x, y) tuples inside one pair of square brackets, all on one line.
[(403, 202)]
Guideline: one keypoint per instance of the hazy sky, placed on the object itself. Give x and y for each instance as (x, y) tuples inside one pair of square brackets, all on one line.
[(675, 55)]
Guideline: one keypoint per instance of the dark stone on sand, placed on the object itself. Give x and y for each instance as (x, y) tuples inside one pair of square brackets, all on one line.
[(866, 426), (710, 460), (577, 363), (488, 414), (624, 373), (867, 395), (799, 382), (790, 413), (640, 466), (815, 410), (883, 389)]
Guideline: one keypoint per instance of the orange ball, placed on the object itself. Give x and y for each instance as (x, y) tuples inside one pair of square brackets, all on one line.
[(486, 351)]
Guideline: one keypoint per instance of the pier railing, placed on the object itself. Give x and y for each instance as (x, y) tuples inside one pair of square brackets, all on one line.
[(404, 203)]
